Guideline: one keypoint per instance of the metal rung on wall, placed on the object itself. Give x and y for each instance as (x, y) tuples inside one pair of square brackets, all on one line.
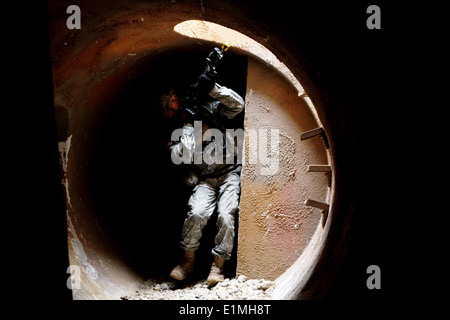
[(317, 204), (321, 168), (315, 132), (318, 168)]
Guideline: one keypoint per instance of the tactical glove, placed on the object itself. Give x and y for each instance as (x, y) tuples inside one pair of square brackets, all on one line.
[(206, 82)]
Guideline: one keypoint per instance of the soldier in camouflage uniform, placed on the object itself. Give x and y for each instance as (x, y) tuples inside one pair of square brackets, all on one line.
[(216, 185)]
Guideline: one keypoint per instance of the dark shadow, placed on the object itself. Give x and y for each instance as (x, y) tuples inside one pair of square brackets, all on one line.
[(138, 193)]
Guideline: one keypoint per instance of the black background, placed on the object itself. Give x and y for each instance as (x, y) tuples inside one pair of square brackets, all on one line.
[(373, 64)]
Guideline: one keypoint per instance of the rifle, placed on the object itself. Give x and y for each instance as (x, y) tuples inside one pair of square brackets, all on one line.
[(190, 101)]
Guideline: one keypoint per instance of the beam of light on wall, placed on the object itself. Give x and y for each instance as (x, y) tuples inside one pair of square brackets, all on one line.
[(213, 32), (208, 31)]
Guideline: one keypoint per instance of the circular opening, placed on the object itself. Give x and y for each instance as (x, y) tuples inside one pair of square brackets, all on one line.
[(124, 222)]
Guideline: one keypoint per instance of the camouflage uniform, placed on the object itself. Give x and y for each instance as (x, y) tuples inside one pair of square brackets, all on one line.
[(217, 186)]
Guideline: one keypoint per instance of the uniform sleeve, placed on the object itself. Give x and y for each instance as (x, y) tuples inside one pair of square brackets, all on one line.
[(231, 102), (184, 149)]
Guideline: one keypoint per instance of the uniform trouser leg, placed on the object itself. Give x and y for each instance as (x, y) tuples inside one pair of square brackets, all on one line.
[(227, 206), (202, 204)]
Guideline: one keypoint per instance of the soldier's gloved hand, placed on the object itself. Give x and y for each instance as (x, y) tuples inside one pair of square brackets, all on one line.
[(206, 82)]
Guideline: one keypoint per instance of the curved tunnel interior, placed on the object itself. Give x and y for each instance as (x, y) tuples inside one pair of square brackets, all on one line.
[(126, 201), (138, 193)]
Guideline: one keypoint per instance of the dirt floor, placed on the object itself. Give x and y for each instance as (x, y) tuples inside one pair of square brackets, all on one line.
[(239, 288)]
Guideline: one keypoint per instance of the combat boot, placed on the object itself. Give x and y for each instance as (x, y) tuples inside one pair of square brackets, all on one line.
[(185, 267), (216, 274)]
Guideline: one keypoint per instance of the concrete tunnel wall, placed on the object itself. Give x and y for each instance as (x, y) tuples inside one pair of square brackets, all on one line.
[(279, 237), (275, 224)]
